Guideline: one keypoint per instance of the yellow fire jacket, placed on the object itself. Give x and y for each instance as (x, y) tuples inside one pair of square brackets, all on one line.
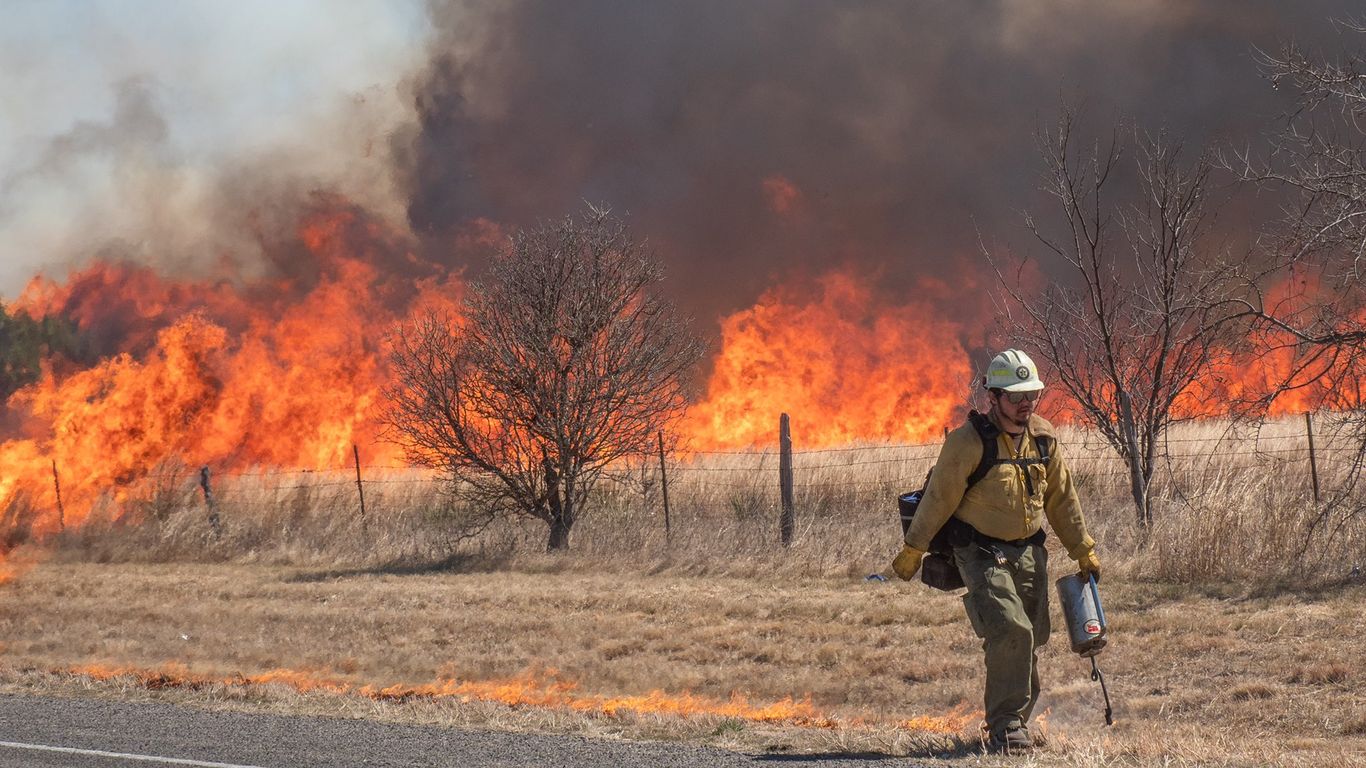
[(1000, 505)]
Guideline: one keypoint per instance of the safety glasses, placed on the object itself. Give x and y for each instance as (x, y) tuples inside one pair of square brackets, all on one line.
[(1020, 397)]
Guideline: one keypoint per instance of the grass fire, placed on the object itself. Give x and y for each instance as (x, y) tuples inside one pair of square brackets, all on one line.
[(558, 367)]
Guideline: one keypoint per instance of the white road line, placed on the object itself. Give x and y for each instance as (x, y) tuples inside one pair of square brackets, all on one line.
[(120, 755)]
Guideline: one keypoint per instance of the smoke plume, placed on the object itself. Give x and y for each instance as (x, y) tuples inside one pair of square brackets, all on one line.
[(759, 141), (179, 135)]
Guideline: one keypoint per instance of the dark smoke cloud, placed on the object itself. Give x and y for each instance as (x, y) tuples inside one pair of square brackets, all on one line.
[(904, 127)]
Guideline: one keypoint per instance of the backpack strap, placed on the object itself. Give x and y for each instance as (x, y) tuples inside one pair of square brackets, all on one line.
[(1045, 444), (988, 432)]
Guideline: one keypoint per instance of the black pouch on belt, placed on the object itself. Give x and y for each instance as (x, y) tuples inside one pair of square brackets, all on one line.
[(938, 570)]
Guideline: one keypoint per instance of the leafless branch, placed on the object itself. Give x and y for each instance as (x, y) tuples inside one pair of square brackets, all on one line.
[(566, 362), (1137, 313)]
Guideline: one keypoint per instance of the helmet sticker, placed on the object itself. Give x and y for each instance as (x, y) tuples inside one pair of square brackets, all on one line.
[(1022, 372)]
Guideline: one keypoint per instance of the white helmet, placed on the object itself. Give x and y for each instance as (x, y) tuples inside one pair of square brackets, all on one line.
[(1012, 371)]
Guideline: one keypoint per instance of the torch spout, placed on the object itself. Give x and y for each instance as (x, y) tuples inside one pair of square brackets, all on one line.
[(1098, 677)]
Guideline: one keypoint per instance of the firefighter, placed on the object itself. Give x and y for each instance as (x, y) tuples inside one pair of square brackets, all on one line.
[(999, 551)]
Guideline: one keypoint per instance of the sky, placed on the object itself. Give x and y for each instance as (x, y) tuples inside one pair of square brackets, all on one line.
[(752, 143), (123, 124)]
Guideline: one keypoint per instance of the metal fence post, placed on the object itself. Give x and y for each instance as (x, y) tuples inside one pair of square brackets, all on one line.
[(57, 486), (360, 489)]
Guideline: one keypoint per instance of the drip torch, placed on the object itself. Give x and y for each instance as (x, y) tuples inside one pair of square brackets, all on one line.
[(1081, 608)]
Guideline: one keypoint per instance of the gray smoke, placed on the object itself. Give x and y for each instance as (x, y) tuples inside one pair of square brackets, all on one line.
[(173, 134)]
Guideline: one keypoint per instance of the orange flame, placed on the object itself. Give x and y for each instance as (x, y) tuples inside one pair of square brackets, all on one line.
[(1296, 377), (957, 720), (541, 690), (281, 372), (846, 365), (286, 370)]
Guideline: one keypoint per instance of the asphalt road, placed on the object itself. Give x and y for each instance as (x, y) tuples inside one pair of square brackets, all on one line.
[(42, 732)]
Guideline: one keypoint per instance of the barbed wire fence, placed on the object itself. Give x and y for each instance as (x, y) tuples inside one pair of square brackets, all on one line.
[(782, 485)]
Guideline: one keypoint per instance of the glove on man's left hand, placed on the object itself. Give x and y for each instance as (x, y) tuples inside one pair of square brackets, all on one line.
[(1089, 563), (907, 563)]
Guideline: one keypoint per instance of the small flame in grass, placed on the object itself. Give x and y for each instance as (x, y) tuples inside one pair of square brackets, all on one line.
[(959, 719), (541, 690)]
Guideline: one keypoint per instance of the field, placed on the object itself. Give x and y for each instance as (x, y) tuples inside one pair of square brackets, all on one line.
[(1237, 621), (1205, 676)]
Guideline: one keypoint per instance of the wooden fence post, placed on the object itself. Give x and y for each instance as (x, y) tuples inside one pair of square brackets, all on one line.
[(1313, 462), (208, 502), (57, 486), (360, 489), (785, 478), (664, 486)]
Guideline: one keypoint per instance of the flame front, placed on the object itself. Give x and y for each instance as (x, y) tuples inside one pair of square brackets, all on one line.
[(286, 370), (541, 690), (280, 372), (847, 366)]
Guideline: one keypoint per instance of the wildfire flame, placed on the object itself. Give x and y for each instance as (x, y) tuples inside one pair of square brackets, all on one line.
[(847, 366), (1302, 377), (285, 370), (281, 372), (546, 690)]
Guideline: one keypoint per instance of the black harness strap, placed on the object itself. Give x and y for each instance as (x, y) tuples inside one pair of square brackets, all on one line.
[(955, 532), (991, 451), (988, 432)]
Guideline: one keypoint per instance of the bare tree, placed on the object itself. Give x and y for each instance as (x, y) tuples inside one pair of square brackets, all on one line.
[(1134, 315), (1314, 307), (567, 361)]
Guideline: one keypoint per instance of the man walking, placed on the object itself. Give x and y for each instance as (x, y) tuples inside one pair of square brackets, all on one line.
[(998, 535)]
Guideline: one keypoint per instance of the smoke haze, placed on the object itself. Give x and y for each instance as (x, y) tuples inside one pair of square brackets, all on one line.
[(170, 133)]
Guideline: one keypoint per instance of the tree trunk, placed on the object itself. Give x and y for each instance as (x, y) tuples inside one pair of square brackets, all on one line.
[(559, 534), (560, 497), (1137, 485), (567, 512)]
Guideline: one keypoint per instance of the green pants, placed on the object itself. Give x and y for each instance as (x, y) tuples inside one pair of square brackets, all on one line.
[(1008, 607)]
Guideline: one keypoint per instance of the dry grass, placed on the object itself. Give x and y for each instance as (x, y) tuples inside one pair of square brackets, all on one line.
[(1230, 507), (1199, 677), (1237, 625)]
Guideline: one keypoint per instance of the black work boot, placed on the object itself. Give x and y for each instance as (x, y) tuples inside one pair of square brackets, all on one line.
[(1014, 741)]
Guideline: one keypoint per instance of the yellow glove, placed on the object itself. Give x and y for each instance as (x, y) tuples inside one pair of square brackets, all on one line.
[(907, 563), (1089, 563)]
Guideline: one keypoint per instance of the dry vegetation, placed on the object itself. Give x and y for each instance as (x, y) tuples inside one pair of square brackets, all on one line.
[(1231, 505), (1230, 646), (1199, 676)]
